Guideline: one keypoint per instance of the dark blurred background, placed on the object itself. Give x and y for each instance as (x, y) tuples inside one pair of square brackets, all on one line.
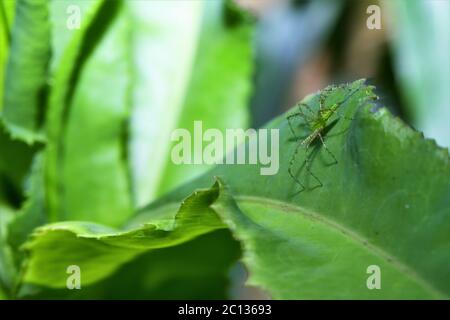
[(302, 46)]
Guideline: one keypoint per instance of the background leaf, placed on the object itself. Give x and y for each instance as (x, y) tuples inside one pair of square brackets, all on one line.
[(61, 12), (28, 59), (157, 274), (223, 54), (6, 19), (220, 77), (7, 268), (99, 250), (423, 72), (14, 166), (116, 136), (67, 73), (88, 131), (163, 49), (95, 131)]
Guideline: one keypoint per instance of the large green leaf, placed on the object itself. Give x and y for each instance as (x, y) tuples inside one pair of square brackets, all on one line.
[(100, 250), (383, 204), (86, 135), (295, 253), (26, 73), (102, 134), (67, 69), (157, 274), (93, 137), (173, 87), (86, 126), (163, 45)]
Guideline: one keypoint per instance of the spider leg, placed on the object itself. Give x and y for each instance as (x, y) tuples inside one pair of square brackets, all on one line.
[(291, 164), (289, 117), (328, 150), (307, 163), (301, 114), (302, 104), (323, 96)]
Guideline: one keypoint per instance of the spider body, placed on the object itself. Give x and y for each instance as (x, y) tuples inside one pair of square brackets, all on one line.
[(316, 123)]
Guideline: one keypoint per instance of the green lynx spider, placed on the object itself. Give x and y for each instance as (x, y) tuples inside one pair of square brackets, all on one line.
[(316, 123)]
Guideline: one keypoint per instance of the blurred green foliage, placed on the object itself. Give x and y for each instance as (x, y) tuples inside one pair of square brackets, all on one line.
[(421, 48), (97, 104)]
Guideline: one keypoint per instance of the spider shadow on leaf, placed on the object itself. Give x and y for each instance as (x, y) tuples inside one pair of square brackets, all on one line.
[(300, 171)]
